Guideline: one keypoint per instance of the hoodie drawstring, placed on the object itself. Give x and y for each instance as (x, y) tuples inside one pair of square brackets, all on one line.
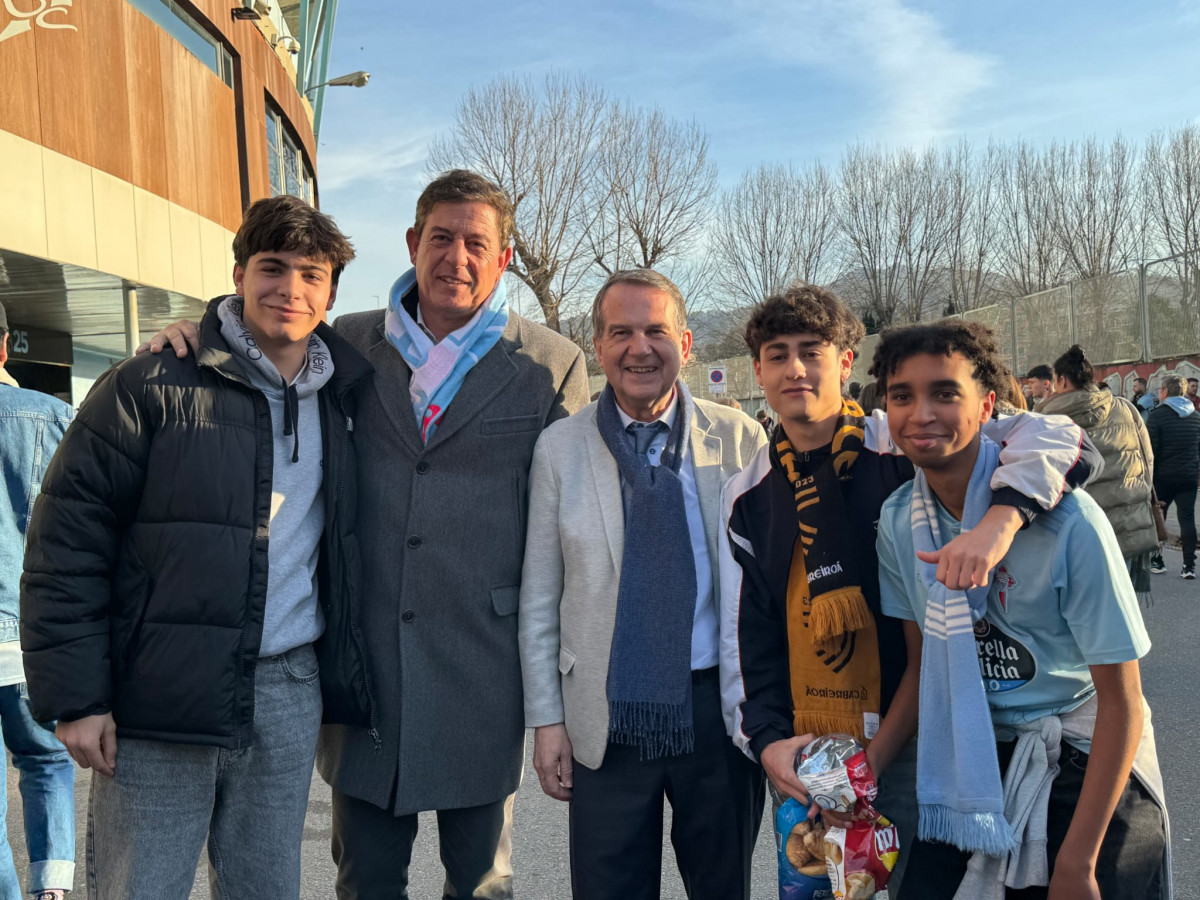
[(291, 417)]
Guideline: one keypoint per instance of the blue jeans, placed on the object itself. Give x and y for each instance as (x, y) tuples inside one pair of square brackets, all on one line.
[(148, 823), (47, 785)]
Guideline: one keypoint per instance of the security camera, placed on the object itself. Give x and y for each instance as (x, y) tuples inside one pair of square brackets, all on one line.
[(289, 43)]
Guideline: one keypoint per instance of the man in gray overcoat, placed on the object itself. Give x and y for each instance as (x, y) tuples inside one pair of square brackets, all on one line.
[(463, 387)]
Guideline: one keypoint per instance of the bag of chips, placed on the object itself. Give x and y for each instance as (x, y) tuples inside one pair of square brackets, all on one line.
[(835, 772), (800, 846), (860, 859)]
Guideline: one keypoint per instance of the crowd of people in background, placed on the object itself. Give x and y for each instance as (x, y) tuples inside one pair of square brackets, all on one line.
[(389, 546)]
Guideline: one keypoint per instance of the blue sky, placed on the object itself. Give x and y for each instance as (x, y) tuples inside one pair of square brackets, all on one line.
[(770, 80)]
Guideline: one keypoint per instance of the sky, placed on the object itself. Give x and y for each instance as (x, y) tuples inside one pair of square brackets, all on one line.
[(770, 81)]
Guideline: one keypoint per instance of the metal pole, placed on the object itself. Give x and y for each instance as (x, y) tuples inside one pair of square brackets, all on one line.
[(1142, 299), (133, 336), (1012, 318)]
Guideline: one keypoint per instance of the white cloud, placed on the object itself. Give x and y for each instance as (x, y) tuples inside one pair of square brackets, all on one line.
[(920, 80), (385, 160)]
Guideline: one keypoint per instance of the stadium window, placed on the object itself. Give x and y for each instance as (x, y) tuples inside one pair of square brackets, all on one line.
[(179, 23), (288, 171)]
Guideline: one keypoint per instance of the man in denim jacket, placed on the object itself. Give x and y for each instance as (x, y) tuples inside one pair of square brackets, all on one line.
[(31, 425)]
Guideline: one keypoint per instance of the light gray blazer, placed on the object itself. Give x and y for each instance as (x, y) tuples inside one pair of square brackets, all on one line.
[(574, 545), (440, 536)]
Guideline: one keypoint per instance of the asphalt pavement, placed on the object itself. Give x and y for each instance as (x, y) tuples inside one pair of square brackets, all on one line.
[(1170, 679)]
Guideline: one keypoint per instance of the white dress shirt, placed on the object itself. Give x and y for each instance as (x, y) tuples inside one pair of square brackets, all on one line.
[(705, 627)]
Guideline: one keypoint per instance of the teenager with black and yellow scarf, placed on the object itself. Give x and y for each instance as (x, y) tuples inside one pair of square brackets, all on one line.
[(805, 649)]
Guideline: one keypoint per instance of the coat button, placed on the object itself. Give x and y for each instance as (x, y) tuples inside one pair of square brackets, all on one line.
[(415, 542), (422, 467), (407, 616)]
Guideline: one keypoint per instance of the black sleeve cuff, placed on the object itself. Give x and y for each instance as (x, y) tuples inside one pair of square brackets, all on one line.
[(1007, 496), (765, 738)]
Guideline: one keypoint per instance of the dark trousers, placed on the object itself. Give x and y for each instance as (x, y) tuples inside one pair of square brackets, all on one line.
[(716, 796), (372, 849), (1130, 855), (1183, 495)]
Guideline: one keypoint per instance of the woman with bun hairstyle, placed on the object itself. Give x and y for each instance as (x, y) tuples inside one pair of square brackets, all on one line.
[(1117, 430)]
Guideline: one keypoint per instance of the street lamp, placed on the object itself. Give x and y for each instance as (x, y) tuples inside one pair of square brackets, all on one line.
[(354, 79)]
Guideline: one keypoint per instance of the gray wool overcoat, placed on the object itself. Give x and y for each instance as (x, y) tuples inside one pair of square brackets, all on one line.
[(441, 537)]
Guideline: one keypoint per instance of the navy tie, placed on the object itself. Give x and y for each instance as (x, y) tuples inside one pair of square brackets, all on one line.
[(644, 434)]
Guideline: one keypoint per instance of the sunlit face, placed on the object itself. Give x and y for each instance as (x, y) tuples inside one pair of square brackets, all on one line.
[(459, 258), (1039, 388), (936, 407), (285, 296), (802, 376), (641, 348)]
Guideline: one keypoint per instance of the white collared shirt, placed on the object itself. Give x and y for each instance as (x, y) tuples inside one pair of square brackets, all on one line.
[(705, 627)]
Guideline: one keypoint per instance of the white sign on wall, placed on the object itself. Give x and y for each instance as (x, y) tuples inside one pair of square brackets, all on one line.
[(716, 379)]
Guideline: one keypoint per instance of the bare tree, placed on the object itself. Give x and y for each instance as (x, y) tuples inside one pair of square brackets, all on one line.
[(540, 144), (973, 194), (867, 224), (776, 226), (1028, 252), (1171, 188), (1095, 200), (922, 211), (658, 183)]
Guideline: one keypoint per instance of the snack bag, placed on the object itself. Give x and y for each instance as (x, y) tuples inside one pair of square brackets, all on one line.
[(800, 846), (861, 858), (835, 772)]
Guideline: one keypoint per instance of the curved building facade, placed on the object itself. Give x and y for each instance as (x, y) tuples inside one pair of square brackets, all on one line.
[(133, 133)]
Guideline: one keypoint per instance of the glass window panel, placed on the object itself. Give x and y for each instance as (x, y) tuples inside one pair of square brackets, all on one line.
[(178, 23)]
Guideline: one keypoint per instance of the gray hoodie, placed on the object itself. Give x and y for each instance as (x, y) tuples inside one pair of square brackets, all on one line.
[(293, 616)]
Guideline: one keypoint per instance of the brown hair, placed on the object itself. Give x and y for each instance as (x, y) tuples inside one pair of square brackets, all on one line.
[(462, 186), (288, 224), (647, 278), (804, 308)]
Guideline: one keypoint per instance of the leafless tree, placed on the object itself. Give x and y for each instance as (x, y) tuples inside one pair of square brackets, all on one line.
[(1094, 187), (923, 221), (541, 145), (658, 182), (1028, 252), (971, 181), (777, 225), (868, 227), (1171, 189)]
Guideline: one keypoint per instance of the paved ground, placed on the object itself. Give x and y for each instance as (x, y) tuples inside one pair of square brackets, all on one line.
[(1170, 677)]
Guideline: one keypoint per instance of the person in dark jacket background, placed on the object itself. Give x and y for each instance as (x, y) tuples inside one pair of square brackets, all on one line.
[(189, 564), (1174, 427)]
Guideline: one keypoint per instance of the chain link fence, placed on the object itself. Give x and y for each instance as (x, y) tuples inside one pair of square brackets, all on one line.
[(1172, 303)]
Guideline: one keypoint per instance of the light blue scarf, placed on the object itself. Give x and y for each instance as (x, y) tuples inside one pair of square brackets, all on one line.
[(1182, 405), (959, 793), (438, 369)]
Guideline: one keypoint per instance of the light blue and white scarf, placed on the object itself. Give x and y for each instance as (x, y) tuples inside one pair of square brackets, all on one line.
[(959, 793), (438, 369)]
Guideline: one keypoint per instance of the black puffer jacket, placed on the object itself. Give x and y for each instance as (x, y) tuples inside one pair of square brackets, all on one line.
[(146, 566), (1176, 443)]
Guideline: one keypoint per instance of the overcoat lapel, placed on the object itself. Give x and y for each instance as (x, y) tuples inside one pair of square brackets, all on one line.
[(486, 379), (391, 385)]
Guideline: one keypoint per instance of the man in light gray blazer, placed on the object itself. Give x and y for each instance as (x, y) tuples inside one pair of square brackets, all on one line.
[(618, 615)]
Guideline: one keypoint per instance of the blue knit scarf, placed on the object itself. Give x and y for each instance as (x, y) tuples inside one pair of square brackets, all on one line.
[(438, 369), (649, 666), (959, 793)]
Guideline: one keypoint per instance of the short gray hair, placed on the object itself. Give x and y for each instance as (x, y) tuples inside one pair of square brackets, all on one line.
[(646, 278), (1174, 385)]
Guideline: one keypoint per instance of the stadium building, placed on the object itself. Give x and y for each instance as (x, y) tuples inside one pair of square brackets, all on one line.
[(133, 133)]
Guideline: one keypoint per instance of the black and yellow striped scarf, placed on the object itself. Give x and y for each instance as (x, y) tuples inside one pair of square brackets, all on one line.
[(832, 646)]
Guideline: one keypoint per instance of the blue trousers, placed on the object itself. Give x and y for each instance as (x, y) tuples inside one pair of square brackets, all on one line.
[(47, 785)]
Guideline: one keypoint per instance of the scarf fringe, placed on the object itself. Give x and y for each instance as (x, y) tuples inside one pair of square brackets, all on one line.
[(657, 729), (820, 723), (837, 612), (981, 832)]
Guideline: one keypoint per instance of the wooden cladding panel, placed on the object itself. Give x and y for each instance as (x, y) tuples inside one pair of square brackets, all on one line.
[(19, 112), (147, 136), (121, 95)]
